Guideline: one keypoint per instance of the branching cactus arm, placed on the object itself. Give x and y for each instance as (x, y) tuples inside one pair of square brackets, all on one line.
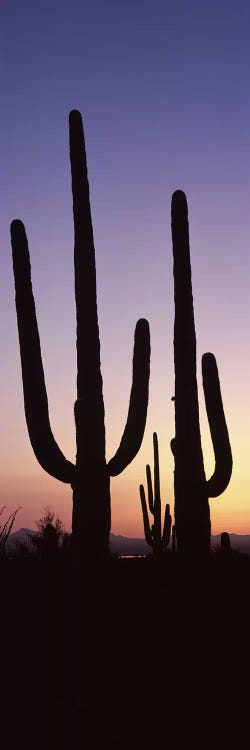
[(157, 493), (166, 527), (137, 413), (42, 440), (218, 428), (147, 529), (150, 489)]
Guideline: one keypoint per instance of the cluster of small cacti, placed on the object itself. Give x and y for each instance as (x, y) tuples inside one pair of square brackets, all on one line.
[(90, 476), (155, 537)]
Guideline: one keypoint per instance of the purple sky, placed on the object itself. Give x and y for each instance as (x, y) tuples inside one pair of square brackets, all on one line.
[(163, 90)]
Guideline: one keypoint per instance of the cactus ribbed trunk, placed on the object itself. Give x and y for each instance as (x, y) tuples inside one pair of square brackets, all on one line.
[(91, 496), (192, 515), (91, 518)]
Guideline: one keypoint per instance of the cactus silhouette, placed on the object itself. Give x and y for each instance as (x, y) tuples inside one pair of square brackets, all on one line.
[(153, 536), (50, 543), (173, 539), (192, 513), (225, 544), (90, 476)]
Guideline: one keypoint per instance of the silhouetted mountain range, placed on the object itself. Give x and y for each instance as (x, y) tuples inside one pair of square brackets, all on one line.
[(122, 545)]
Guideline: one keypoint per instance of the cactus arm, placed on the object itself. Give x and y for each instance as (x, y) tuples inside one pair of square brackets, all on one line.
[(147, 530), (157, 495), (218, 428), (43, 443), (166, 527), (137, 413), (150, 490)]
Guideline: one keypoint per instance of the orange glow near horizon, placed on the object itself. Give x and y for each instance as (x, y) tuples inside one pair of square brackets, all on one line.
[(33, 491), (26, 484)]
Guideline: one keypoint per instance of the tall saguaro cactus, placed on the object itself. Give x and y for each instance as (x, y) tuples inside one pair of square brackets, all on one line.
[(157, 540), (90, 476), (192, 514)]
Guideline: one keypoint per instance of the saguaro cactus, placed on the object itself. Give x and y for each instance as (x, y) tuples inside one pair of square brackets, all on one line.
[(192, 513), (225, 544), (153, 535), (90, 476)]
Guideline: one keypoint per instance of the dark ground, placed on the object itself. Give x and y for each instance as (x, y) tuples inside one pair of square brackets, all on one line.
[(136, 653)]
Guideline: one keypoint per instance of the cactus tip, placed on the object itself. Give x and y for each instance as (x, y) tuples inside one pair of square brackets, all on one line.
[(142, 325), (179, 203), (17, 227), (75, 115), (208, 359)]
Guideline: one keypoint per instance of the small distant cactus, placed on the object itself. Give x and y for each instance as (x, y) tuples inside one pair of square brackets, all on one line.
[(157, 540), (225, 544), (50, 542)]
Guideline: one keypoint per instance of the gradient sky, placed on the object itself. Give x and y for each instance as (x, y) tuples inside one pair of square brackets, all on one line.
[(163, 88)]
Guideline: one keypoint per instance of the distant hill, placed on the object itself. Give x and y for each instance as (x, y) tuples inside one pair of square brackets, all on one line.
[(22, 539), (121, 545), (239, 542)]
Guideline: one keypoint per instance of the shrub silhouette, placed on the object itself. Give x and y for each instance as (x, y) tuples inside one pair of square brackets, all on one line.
[(5, 529), (192, 514), (90, 476), (49, 518)]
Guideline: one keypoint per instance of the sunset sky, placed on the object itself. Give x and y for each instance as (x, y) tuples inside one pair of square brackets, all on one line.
[(163, 88)]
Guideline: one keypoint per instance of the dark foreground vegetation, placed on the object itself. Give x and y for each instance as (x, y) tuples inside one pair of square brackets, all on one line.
[(131, 653)]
